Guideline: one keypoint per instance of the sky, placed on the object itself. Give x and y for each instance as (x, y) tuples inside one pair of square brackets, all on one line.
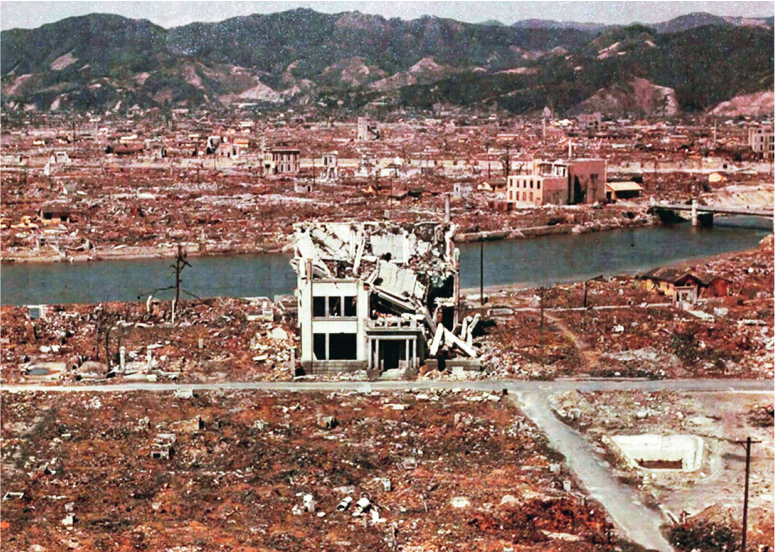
[(31, 14)]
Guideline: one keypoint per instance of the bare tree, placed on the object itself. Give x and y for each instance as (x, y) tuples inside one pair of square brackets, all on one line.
[(104, 322), (180, 264)]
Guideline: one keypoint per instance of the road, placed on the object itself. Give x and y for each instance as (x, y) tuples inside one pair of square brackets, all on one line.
[(541, 387), (637, 522)]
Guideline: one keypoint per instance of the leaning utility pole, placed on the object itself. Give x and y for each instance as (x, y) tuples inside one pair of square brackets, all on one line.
[(747, 444)]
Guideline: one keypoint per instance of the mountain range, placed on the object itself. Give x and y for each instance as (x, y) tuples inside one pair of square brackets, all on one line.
[(353, 61)]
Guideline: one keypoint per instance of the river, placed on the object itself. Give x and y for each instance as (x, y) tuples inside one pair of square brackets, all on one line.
[(537, 261)]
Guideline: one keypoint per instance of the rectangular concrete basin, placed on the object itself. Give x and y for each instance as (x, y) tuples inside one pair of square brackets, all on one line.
[(661, 452)]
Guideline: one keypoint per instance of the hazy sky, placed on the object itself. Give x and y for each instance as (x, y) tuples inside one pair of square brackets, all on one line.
[(30, 14)]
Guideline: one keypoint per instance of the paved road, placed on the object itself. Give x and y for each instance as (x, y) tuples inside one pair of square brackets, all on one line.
[(633, 519), (544, 388)]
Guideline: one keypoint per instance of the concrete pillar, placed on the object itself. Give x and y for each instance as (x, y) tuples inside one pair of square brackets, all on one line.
[(148, 360), (695, 220), (122, 358), (447, 212)]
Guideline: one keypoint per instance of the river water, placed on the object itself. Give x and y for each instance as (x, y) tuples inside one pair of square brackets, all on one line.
[(538, 261)]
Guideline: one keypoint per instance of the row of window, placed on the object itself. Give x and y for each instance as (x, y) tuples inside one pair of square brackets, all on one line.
[(284, 157), (524, 183), (333, 307), (525, 195)]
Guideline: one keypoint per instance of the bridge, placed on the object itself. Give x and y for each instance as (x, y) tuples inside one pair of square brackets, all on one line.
[(703, 214)]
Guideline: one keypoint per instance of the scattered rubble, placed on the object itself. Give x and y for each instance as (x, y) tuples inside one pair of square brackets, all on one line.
[(256, 467)]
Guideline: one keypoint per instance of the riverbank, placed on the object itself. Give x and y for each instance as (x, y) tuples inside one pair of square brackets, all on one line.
[(127, 253), (556, 229), (542, 261), (473, 293), (285, 245)]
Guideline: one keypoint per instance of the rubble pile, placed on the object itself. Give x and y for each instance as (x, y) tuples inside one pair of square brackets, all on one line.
[(715, 528), (704, 536), (519, 348), (537, 519), (274, 470)]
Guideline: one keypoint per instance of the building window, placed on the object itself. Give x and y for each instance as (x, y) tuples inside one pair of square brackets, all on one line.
[(349, 306), (531, 186), (318, 307), (531, 196), (538, 184), (524, 196), (342, 346), (334, 306), (319, 346)]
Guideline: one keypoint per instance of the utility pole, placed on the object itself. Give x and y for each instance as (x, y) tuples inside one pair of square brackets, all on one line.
[(747, 444), (541, 324), (481, 271), (586, 283)]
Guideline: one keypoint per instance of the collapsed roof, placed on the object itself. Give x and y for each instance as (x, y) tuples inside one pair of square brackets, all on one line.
[(351, 250), (409, 268)]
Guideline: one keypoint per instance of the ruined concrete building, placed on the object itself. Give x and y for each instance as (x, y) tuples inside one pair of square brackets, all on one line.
[(372, 295), (367, 129), (282, 160), (559, 183), (761, 139), (590, 121)]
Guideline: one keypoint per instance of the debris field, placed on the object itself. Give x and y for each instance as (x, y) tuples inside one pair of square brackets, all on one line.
[(243, 470)]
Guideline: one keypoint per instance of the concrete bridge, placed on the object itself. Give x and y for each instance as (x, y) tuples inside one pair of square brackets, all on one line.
[(702, 215)]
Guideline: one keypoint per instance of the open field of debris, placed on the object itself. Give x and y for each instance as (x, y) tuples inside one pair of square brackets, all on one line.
[(691, 463), (258, 471), (212, 340)]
